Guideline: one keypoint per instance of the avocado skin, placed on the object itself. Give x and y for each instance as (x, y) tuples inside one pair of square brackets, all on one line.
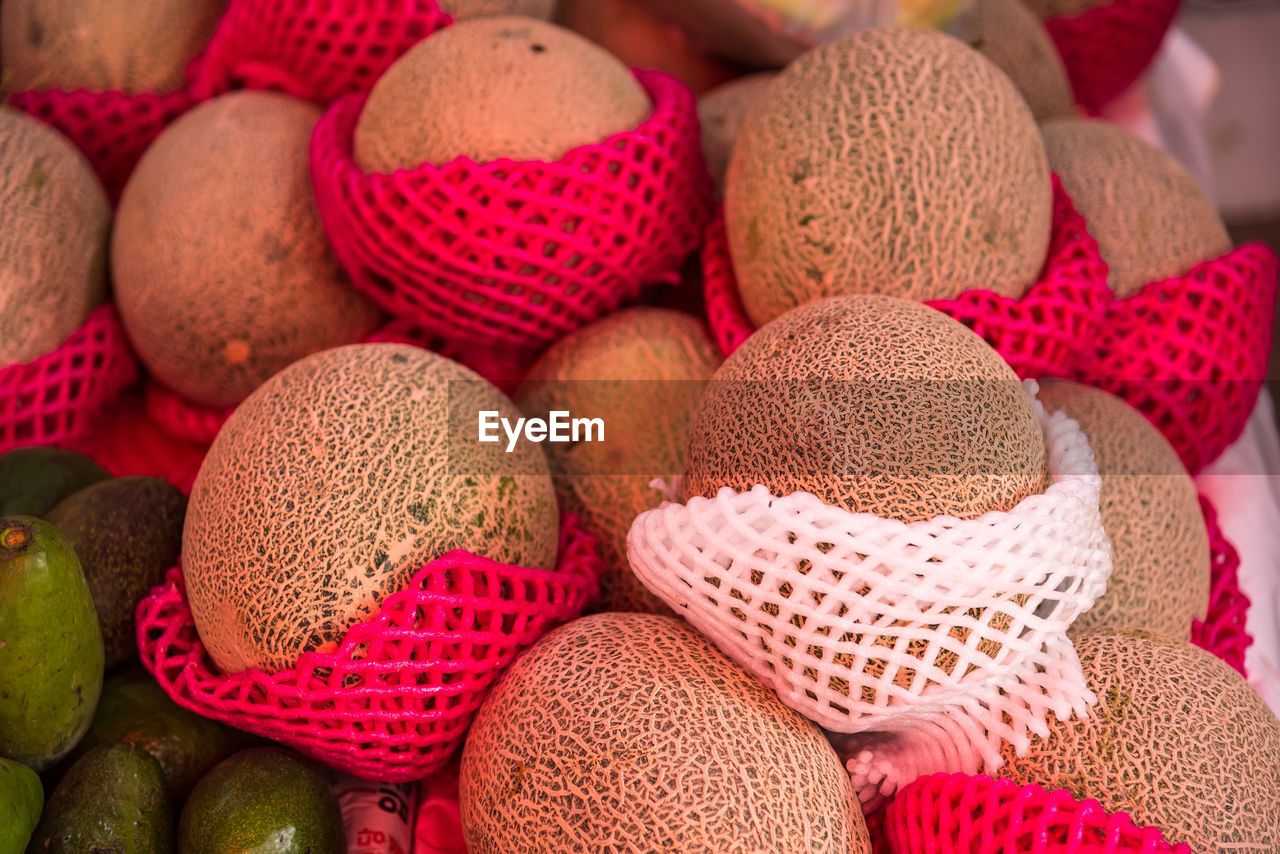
[(127, 533), (21, 800), (263, 800), (51, 661), (113, 800), (33, 480)]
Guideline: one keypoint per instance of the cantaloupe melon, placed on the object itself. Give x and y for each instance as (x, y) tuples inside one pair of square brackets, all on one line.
[(1178, 740), (722, 112), (499, 87), (1150, 217), (631, 31), (54, 220), (1151, 513), (130, 45), (631, 732), (1010, 35), (222, 271), (337, 480), (463, 9), (641, 371), (894, 161), (872, 403)]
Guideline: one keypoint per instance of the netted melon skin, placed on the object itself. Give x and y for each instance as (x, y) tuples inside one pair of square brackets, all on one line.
[(631, 733), (332, 484), (1151, 512), (1178, 740), (873, 404), (722, 112), (1010, 35), (891, 161)]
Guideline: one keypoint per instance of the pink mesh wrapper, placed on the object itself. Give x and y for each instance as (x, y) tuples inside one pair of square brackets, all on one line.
[(111, 129), (182, 418), (1191, 352), (1041, 335), (56, 398), (1105, 49), (125, 441), (312, 49), (1223, 631), (438, 826), (394, 702), (962, 814), (511, 256)]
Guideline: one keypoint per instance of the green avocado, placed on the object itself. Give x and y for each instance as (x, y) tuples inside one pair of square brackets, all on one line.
[(32, 480), (263, 800), (136, 710), (50, 646), (113, 800), (21, 799), (127, 533)]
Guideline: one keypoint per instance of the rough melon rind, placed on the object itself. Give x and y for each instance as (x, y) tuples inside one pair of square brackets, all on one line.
[(894, 161), (722, 112), (1010, 35), (54, 220), (1178, 740), (336, 481), (1151, 513), (631, 732)]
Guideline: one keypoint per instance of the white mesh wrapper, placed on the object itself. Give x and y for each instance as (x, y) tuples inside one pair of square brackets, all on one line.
[(932, 640)]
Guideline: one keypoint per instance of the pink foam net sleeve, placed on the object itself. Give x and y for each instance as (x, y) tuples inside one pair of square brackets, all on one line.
[(511, 256), (1042, 334), (1191, 352), (962, 814), (949, 634), (1223, 632), (56, 398), (395, 700), (125, 441), (1105, 49)]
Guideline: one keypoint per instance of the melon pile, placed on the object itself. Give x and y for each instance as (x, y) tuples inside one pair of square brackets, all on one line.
[(861, 175)]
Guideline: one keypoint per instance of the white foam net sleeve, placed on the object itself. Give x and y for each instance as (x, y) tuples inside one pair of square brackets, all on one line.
[(948, 634)]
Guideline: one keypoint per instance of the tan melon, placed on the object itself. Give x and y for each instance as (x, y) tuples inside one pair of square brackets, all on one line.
[(222, 271), (631, 31), (874, 404), (1151, 219), (463, 9), (337, 480), (1010, 35), (631, 732), (130, 45), (496, 87), (1178, 740), (641, 371), (722, 112), (54, 220), (894, 161), (1151, 513)]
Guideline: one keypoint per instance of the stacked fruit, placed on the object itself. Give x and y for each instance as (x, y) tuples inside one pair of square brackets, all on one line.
[(903, 535)]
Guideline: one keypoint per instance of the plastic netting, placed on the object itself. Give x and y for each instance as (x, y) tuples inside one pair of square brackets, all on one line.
[(55, 399), (1105, 49), (111, 129), (395, 700), (1223, 632), (962, 814), (1191, 352), (1043, 334), (948, 634), (515, 255), (182, 418), (312, 49), (125, 441)]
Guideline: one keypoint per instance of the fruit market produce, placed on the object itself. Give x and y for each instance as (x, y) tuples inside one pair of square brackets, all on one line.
[(722, 112), (51, 661), (630, 732), (1010, 35), (463, 9), (221, 270), (1151, 219), (1159, 544), (34, 480), (55, 221), (889, 161), (641, 371), (337, 480), (21, 801)]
